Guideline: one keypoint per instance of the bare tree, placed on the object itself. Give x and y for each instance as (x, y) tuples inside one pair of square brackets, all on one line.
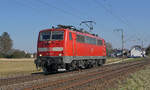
[(0, 44), (109, 48), (148, 50)]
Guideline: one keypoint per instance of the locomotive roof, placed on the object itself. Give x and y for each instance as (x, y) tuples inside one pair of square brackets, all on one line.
[(75, 31), (87, 34)]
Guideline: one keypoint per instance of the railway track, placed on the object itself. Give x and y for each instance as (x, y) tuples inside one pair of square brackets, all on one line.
[(40, 75), (78, 81), (73, 79)]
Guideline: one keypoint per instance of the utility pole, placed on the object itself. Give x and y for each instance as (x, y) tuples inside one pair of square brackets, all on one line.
[(122, 37), (89, 24), (141, 41), (142, 44)]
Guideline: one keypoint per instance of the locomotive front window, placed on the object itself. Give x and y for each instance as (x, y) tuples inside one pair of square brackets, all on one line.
[(57, 35), (45, 36), (51, 35)]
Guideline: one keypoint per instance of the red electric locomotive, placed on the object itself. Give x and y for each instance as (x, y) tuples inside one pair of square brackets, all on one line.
[(65, 48)]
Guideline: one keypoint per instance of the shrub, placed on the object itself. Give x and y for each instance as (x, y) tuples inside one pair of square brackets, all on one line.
[(18, 54), (148, 50), (1, 55)]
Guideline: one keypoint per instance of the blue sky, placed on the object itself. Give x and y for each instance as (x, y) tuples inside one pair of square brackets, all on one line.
[(23, 19)]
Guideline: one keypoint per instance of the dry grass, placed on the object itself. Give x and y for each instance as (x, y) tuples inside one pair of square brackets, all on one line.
[(16, 66), (110, 60), (19, 59), (137, 81), (116, 60)]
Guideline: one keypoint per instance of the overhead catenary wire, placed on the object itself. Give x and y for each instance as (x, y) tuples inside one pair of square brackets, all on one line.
[(107, 2), (24, 3), (109, 6), (27, 3), (60, 9), (120, 18), (110, 12), (76, 9)]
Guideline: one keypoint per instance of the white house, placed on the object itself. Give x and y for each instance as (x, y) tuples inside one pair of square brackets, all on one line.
[(137, 51)]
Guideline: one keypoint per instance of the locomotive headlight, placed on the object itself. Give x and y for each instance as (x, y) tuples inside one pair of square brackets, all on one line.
[(60, 54), (57, 49), (40, 55)]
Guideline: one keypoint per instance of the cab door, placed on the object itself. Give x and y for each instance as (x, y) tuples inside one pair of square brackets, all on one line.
[(104, 48), (70, 44), (74, 44)]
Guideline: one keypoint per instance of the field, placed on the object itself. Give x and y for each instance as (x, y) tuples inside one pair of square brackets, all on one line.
[(10, 67)]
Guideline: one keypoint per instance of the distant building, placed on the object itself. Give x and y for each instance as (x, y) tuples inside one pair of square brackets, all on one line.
[(116, 53), (137, 51)]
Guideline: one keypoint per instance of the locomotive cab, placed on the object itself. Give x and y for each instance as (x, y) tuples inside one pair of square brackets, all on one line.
[(51, 43), (50, 49)]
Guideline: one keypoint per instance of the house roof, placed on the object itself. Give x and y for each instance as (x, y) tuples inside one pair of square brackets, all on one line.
[(136, 46)]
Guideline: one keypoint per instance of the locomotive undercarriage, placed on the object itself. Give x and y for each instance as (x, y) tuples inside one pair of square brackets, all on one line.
[(54, 64), (49, 64), (84, 64)]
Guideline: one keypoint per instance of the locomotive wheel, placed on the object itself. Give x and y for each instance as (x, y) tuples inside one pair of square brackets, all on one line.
[(90, 65), (45, 70), (54, 68), (100, 62), (70, 67), (104, 61), (73, 66), (95, 64), (50, 69), (86, 64)]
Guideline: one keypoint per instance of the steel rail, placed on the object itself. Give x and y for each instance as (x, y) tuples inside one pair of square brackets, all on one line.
[(116, 72), (55, 83)]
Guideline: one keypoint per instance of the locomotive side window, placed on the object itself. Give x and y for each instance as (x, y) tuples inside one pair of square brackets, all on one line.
[(57, 35), (80, 38), (90, 40), (87, 39), (45, 36), (93, 41), (99, 42), (70, 36)]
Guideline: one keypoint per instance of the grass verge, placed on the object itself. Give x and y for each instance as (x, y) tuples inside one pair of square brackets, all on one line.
[(111, 60), (136, 81)]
